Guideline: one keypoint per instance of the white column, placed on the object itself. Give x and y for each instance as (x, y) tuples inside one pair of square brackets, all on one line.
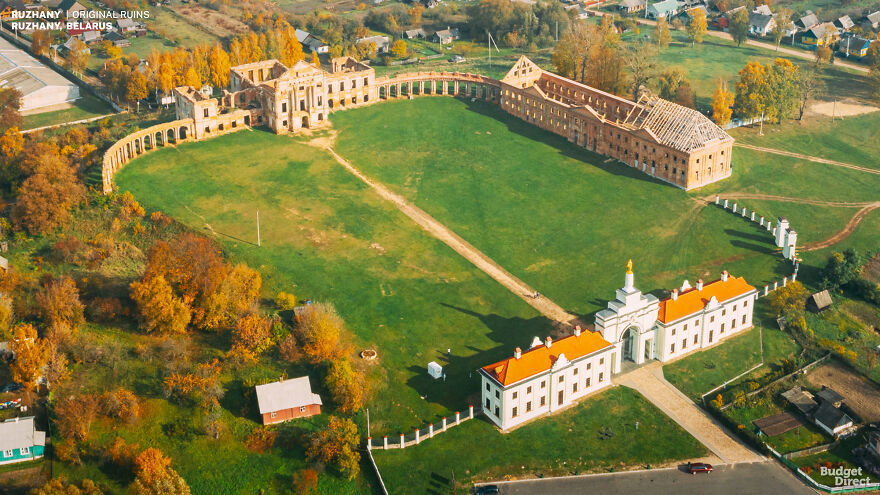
[(717, 199), (457, 417), (471, 411), (784, 281), (766, 289), (385, 442), (369, 443), (725, 204), (734, 207), (753, 216), (444, 423), (418, 438), (431, 430), (402, 442)]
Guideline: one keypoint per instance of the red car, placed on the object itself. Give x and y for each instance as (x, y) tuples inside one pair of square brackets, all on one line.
[(699, 467)]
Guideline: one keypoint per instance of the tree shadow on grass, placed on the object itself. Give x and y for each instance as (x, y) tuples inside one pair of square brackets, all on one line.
[(567, 149)]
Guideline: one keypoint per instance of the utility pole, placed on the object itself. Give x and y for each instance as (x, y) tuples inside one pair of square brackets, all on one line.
[(761, 131), (368, 423), (258, 229), (833, 110), (557, 31)]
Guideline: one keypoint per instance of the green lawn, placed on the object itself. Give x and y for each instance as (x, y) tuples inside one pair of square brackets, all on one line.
[(800, 438), (853, 140), (477, 60), (563, 219), (702, 371), (86, 107), (812, 223), (839, 455), (139, 46), (566, 443), (328, 238)]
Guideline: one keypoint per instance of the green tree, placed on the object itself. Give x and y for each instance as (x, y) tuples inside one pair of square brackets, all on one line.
[(739, 26), (842, 268), (336, 445), (346, 385), (789, 300), (782, 90), (661, 34)]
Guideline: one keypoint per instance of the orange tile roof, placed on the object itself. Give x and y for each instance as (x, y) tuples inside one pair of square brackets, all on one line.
[(539, 359), (693, 300)]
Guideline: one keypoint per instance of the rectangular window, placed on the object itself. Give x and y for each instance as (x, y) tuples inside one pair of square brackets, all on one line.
[(684, 343), (273, 414), (514, 395), (673, 332), (561, 379), (496, 412), (732, 324), (206, 112), (284, 107), (685, 329), (24, 451), (560, 397), (544, 384), (329, 88), (744, 319), (515, 412), (601, 361), (722, 328), (745, 304), (587, 384), (8, 453), (696, 337), (710, 335), (529, 406), (723, 312), (487, 387), (672, 348), (575, 371), (366, 81), (734, 307), (574, 388), (529, 390), (601, 377), (712, 319), (487, 403), (302, 408), (589, 365), (543, 400), (497, 394)]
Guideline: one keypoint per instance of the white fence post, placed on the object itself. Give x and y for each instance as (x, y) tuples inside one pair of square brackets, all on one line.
[(418, 439), (444, 423), (457, 417), (471, 411), (431, 430), (402, 442), (385, 442)]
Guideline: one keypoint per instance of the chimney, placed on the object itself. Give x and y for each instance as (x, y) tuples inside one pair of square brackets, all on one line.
[(548, 342), (675, 294), (577, 330), (724, 276), (517, 353), (699, 284)]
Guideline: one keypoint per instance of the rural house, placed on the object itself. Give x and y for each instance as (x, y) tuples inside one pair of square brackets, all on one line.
[(871, 21), (631, 6), (688, 14), (383, 43), (415, 34), (760, 24), (844, 23), (824, 412), (311, 43), (854, 46), (71, 8), (287, 399), (446, 36), (20, 441), (666, 8), (819, 301), (117, 39), (820, 35), (807, 21)]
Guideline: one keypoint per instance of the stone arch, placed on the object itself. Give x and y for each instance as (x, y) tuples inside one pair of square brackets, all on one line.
[(148, 142), (170, 133), (182, 132), (247, 120), (159, 139), (630, 344)]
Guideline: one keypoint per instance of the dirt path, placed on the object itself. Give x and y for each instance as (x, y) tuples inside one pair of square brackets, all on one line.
[(808, 157), (545, 306), (648, 380), (843, 234)]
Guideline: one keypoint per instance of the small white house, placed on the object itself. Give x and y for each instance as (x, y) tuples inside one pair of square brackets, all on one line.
[(435, 370)]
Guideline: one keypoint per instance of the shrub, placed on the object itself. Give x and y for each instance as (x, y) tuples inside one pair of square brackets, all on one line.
[(285, 301)]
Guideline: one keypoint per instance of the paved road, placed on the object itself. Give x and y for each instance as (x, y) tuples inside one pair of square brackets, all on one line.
[(648, 380), (740, 479)]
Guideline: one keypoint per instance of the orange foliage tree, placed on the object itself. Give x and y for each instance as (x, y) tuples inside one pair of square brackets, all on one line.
[(320, 329), (160, 310), (251, 336), (46, 197), (346, 385), (336, 445), (31, 354), (59, 304)]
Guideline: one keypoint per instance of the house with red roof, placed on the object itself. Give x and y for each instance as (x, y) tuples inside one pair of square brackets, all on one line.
[(634, 328)]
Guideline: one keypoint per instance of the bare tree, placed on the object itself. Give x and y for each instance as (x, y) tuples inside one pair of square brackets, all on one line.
[(809, 83), (642, 65)]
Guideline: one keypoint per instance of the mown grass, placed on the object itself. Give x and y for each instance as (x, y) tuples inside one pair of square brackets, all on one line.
[(85, 107), (325, 237), (563, 219), (566, 443)]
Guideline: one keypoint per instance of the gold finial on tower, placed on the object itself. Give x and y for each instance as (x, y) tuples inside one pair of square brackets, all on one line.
[(629, 267)]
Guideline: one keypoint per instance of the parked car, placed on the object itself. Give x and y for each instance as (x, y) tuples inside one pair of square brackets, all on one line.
[(11, 387), (487, 490), (699, 467)]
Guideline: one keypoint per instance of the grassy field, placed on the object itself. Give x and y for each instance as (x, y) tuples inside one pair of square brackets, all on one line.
[(477, 60), (811, 222), (853, 140), (475, 451), (86, 107), (403, 293), (698, 373), (560, 217)]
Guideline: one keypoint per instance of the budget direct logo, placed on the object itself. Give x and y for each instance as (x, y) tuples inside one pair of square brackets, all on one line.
[(846, 476)]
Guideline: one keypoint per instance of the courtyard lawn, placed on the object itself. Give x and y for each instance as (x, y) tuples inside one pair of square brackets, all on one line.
[(563, 219), (326, 237), (853, 139), (566, 443), (702, 371), (86, 107)]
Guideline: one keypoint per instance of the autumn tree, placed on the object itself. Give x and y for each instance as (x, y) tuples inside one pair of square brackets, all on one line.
[(59, 304), (823, 55), (722, 103), (684, 95), (160, 310), (285, 301), (155, 476), (219, 66), (336, 445), (782, 25), (697, 27), (122, 404), (305, 481), (739, 26), (751, 91), (136, 87), (668, 82), (251, 337), (40, 41), (782, 90), (320, 329), (58, 487), (315, 60), (789, 300), (10, 104), (661, 34), (46, 197), (31, 353), (7, 315), (202, 386), (346, 385), (593, 54), (77, 56), (398, 48), (74, 416)]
